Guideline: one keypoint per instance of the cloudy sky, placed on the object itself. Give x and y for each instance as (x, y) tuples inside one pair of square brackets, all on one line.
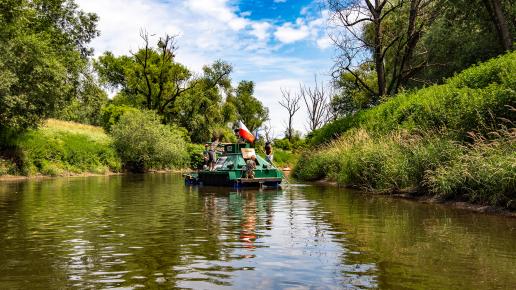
[(275, 43)]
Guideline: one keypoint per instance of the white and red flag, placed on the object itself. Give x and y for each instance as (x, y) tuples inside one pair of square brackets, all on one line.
[(244, 132)]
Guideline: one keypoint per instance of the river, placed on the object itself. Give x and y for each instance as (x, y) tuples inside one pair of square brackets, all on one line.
[(150, 231)]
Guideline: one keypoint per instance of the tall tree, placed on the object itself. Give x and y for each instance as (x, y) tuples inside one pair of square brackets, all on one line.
[(43, 54), (291, 104), (152, 77), (463, 34), (495, 9), (202, 110), (385, 33), (249, 109)]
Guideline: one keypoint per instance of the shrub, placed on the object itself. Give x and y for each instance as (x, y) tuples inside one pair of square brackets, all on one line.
[(110, 115), (144, 143), (195, 151)]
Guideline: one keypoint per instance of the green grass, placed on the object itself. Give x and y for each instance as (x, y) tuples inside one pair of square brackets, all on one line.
[(452, 141), (285, 158), (63, 148)]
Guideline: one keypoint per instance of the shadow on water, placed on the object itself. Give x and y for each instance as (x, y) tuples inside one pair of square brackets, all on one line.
[(152, 231)]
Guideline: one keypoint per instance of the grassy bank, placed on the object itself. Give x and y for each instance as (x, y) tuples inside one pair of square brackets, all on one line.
[(60, 148), (452, 141)]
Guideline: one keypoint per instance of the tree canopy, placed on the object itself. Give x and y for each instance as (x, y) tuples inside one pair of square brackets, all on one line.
[(43, 55), (393, 45)]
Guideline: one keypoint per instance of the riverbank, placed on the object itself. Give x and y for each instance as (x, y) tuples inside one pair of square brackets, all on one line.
[(450, 142), (60, 148), (64, 149)]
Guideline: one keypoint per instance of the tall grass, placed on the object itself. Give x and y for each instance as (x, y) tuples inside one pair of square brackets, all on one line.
[(452, 141), (62, 148)]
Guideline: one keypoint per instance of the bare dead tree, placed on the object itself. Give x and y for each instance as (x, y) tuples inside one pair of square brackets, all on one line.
[(291, 104), (316, 101), (349, 18), (269, 132)]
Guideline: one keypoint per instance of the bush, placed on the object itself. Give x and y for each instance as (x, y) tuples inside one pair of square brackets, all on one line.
[(195, 151), (144, 143), (110, 115)]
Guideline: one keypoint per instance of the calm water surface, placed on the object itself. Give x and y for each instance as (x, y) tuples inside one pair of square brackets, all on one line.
[(150, 231)]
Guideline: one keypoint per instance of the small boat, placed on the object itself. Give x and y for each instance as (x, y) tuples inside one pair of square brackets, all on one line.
[(230, 170)]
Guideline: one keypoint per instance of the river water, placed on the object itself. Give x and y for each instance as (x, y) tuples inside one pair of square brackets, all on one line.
[(150, 231)]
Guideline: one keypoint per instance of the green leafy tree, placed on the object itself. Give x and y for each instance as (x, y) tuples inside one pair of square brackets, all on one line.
[(43, 53), (385, 34), (463, 34), (151, 79), (349, 95), (87, 107), (249, 109), (202, 110)]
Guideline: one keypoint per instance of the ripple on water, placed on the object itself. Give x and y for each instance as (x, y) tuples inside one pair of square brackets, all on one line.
[(150, 232)]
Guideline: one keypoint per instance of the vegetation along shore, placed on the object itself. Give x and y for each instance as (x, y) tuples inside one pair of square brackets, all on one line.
[(451, 141)]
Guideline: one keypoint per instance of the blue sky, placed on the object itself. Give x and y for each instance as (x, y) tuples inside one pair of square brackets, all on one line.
[(275, 43)]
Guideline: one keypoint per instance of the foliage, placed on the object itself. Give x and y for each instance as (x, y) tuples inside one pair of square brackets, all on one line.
[(473, 100), (350, 96), (61, 148), (487, 174), (422, 140), (152, 79), (286, 144), (412, 44), (462, 35), (201, 110), (196, 153), (87, 107), (110, 115), (482, 172), (284, 158), (42, 55), (249, 109), (144, 143)]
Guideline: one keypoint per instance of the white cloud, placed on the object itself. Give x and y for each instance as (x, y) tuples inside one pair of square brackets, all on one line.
[(324, 42), (261, 30), (288, 32)]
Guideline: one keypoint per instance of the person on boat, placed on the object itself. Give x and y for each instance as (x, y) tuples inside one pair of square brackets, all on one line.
[(268, 151), (250, 166), (206, 157), (212, 153)]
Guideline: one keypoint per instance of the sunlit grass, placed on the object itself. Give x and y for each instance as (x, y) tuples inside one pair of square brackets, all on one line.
[(64, 148)]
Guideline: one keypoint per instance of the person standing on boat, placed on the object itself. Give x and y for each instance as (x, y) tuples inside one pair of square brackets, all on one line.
[(206, 157), (268, 152), (213, 153)]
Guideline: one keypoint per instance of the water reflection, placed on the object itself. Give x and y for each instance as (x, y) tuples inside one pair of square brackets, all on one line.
[(151, 231)]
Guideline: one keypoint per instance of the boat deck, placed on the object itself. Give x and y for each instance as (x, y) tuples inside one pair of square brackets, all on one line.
[(259, 181)]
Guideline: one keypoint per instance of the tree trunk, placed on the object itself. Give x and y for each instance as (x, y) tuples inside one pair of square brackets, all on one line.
[(494, 7), (378, 58)]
